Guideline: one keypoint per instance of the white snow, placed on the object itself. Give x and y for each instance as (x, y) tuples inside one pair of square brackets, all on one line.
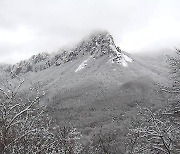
[(114, 49), (82, 65), (128, 59), (124, 60), (124, 63)]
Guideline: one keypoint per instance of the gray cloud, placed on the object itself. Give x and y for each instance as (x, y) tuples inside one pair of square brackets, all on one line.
[(29, 27)]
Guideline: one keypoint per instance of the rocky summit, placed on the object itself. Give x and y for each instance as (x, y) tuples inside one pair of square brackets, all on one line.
[(92, 86), (95, 46)]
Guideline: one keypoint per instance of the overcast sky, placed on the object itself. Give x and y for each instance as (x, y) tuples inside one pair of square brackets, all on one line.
[(28, 27)]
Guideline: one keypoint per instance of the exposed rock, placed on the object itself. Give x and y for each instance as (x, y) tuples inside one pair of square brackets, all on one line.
[(96, 46)]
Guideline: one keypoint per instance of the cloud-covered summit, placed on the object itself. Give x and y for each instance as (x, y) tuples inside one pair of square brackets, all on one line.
[(30, 27)]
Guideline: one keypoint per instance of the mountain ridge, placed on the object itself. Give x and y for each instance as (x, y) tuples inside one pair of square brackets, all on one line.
[(95, 46), (88, 88)]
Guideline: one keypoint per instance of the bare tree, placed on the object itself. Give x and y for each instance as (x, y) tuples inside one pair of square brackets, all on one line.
[(26, 127), (23, 127), (154, 133), (158, 132)]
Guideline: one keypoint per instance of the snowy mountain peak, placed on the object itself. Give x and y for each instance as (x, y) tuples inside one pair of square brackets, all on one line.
[(96, 46)]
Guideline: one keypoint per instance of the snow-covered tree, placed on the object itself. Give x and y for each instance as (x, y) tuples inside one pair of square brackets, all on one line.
[(26, 127), (153, 133), (158, 132)]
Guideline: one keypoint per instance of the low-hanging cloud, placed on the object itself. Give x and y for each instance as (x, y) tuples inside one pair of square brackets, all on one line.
[(29, 27)]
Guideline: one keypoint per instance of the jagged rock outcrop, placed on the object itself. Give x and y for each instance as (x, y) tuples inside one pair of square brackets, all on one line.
[(97, 45)]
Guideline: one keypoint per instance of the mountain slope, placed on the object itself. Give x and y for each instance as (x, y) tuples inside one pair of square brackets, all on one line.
[(93, 48), (91, 84)]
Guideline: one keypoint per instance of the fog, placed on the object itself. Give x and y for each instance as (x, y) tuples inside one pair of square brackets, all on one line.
[(30, 27)]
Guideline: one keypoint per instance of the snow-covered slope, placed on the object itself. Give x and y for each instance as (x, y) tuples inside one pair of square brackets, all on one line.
[(83, 85), (94, 47), (82, 65)]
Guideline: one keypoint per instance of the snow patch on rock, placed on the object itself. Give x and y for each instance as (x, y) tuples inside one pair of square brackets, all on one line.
[(125, 60), (82, 65), (113, 47), (128, 59), (124, 63), (121, 59)]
